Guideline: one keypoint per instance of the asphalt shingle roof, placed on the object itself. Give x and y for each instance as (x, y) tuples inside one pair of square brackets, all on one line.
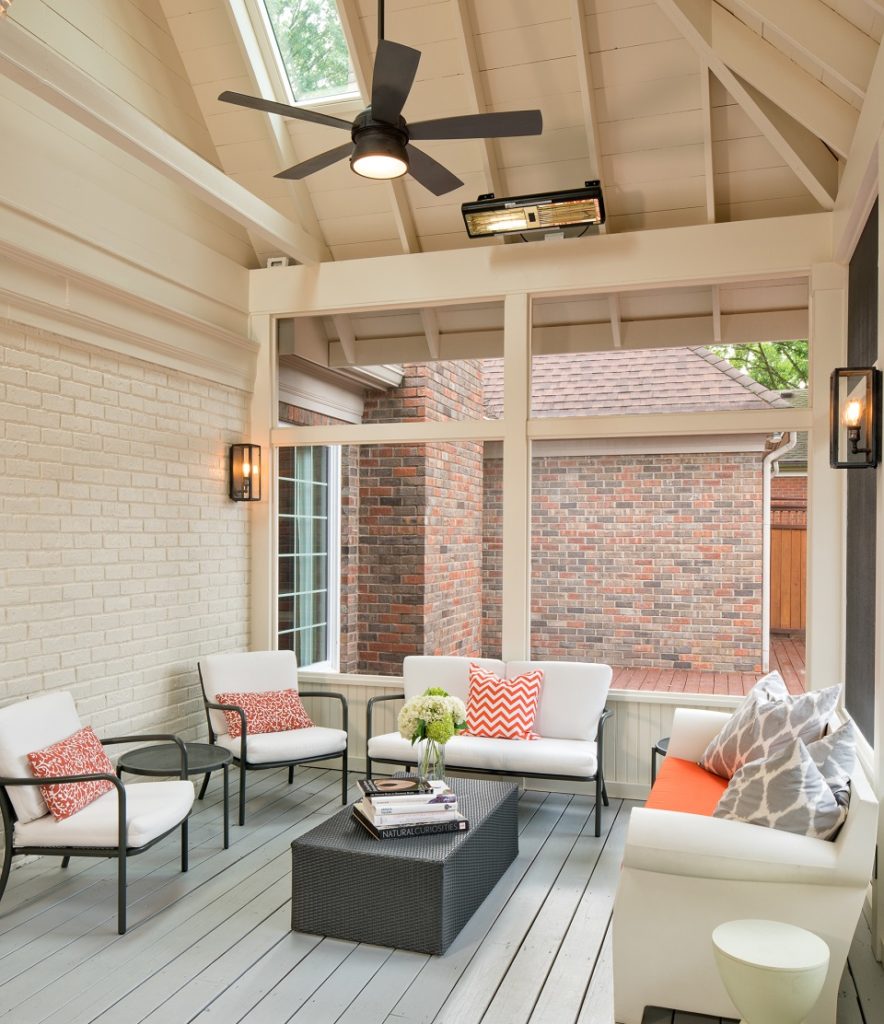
[(650, 380)]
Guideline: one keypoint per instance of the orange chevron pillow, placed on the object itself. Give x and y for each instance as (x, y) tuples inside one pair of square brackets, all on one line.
[(502, 709)]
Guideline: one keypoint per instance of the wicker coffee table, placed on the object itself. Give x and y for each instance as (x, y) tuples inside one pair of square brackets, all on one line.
[(406, 893)]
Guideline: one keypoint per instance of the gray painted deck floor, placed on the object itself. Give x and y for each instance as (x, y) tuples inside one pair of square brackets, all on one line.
[(214, 945)]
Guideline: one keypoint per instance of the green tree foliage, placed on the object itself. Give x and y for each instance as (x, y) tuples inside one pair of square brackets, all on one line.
[(778, 365), (312, 44)]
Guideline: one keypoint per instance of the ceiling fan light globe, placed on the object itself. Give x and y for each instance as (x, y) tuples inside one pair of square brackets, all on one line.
[(379, 166), (379, 154)]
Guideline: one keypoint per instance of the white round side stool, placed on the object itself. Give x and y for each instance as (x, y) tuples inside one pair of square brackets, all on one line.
[(773, 972)]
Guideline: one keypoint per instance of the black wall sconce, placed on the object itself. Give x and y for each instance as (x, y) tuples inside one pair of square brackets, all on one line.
[(855, 418), (245, 472)]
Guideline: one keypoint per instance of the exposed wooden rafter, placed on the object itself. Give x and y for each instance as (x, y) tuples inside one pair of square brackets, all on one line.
[(616, 324), (712, 39), (830, 41), (43, 72), (466, 42), (734, 329), (708, 160), (587, 96), (280, 138)]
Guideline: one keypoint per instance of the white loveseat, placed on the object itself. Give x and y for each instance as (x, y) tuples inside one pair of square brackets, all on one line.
[(570, 721), (684, 874)]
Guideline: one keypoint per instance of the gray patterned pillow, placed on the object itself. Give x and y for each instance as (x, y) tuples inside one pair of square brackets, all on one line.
[(787, 791), (768, 719), (835, 756)]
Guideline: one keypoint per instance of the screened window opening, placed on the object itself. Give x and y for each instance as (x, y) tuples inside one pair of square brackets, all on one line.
[(307, 532), (313, 49)]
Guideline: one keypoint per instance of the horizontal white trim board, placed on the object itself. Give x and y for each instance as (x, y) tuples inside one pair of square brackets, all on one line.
[(752, 250)]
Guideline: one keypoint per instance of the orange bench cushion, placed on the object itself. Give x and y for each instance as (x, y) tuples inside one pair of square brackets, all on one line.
[(685, 786)]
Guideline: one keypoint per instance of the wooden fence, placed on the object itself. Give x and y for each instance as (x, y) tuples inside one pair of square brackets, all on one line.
[(788, 577)]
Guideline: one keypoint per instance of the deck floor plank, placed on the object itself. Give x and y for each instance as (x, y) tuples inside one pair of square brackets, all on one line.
[(215, 945)]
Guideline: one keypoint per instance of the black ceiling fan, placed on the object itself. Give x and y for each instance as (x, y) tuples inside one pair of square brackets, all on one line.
[(380, 144)]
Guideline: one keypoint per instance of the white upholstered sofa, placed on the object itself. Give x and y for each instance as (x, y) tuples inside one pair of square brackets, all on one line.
[(570, 721), (684, 874)]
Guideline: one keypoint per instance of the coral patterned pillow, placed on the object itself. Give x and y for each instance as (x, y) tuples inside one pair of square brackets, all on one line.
[(502, 709), (266, 711), (79, 754)]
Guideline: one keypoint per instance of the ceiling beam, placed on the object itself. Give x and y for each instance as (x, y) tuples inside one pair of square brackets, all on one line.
[(277, 126), (478, 101), (766, 249), (616, 323), (736, 329), (45, 73), (830, 41), (708, 159), (814, 165), (859, 183), (346, 338), (587, 97), (769, 70)]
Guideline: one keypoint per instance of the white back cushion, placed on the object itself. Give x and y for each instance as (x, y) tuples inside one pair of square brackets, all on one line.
[(28, 726), (420, 671), (572, 697), (248, 671)]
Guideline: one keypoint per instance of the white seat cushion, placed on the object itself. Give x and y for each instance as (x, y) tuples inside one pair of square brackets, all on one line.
[(293, 745), (531, 757), (33, 725), (152, 808)]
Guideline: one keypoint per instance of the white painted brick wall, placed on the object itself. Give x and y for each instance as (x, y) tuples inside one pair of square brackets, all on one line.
[(122, 560)]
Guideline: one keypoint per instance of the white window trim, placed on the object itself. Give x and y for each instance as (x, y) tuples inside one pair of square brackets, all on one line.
[(333, 590)]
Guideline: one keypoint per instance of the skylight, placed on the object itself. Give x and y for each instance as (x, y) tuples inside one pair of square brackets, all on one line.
[(312, 47)]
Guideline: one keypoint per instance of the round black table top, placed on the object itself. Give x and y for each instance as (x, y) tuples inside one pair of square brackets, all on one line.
[(662, 746), (165, 759)]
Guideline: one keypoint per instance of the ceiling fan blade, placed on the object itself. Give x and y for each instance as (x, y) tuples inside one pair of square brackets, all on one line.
[(316, 163), (395, 66), (480, 126), (430, 173), (272, 107)]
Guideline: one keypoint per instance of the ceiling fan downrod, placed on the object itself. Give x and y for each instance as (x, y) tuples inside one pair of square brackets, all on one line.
[(380, 19)]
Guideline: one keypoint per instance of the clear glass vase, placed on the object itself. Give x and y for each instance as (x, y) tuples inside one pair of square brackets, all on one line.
[(432, 761)]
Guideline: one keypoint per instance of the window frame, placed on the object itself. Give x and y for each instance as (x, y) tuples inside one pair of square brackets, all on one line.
[(333, 560)]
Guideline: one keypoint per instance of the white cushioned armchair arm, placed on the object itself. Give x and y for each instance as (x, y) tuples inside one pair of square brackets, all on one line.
[(692, 731), (695, 846)]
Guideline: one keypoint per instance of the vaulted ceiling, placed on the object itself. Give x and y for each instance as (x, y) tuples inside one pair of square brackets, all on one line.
[(689, 111)]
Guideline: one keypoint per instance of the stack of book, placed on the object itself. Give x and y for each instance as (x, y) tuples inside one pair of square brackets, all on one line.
[(400, 808)]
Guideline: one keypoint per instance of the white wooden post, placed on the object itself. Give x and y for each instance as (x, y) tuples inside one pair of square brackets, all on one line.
[(264, 416), (516, 583)]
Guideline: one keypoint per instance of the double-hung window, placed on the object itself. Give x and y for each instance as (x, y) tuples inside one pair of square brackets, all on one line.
[(308, 554)]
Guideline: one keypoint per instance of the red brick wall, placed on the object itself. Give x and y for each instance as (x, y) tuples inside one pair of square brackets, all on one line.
[(420, 532), (640, 561), (788, 500)]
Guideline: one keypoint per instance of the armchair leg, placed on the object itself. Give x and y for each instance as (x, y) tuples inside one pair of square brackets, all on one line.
[(7, 865), (121, 890), (205, 785), (184, 846), (291, 774), (242, 793), (367, 766), (599, 787), (344, 778), (65, 861), (604, 793)]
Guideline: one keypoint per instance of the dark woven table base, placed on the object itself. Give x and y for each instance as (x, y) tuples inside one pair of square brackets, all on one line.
[(407, 893)]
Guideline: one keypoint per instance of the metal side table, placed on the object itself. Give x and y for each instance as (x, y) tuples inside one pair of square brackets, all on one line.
[(165, 759)]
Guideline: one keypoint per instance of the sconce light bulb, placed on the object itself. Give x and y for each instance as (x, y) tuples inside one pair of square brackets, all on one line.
[(853, 412)]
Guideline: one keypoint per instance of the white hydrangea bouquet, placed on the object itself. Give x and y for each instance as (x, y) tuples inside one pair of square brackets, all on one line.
[(432, 718)]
